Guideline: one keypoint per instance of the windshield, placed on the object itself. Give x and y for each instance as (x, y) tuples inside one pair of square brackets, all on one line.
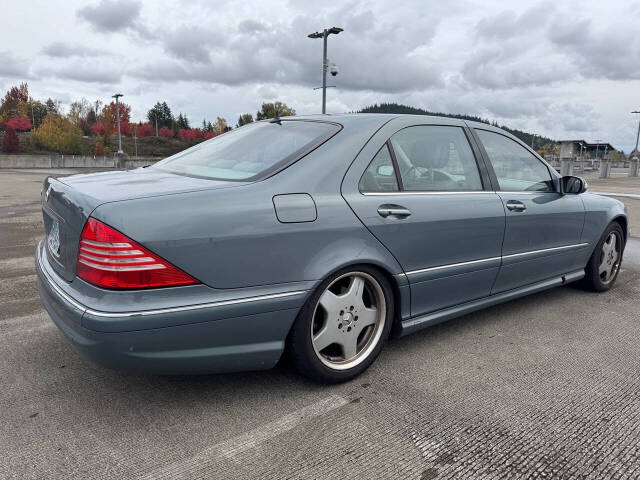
[(250, 152)]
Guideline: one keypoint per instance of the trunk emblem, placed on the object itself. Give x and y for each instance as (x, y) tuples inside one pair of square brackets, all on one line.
[(53, 239)]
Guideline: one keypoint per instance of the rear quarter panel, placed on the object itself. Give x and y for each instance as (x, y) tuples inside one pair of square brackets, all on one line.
[(232, 238)]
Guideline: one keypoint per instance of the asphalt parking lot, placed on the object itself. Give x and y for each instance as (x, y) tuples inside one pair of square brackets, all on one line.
[(545, 386)]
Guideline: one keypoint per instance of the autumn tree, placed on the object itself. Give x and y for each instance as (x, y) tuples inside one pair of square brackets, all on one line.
[(58, 134), (269, 110), (190, 133), (79, 115), (98, 129), (244, 119), (220, 126), (10, 143), (14, 102), (18, 123), (109, 118)]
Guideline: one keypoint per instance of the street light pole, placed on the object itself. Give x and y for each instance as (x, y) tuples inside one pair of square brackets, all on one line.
[(116, 96), (638, 134), (325, 65)]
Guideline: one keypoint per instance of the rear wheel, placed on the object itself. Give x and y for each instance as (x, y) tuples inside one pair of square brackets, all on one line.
[(343, 326), (604, 264)]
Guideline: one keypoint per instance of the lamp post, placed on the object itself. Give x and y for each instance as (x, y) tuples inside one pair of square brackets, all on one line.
[(638, 134), (324, 34), (116, 96)]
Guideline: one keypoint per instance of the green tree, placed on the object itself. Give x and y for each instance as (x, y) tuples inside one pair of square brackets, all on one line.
[(269, 110), (182, 121), (244, 119), (160, 113)]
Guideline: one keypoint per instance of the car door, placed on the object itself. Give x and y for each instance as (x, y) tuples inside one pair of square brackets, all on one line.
[(424, 193), (543, 227)]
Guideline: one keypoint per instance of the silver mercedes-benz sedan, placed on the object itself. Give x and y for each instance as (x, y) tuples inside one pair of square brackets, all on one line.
[(321, 235)]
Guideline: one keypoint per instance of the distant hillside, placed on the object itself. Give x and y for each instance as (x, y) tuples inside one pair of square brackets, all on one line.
[(406, 109)]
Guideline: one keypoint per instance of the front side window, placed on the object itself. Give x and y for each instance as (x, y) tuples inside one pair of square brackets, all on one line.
[(250, 152), (435, 158), (380, 175), (517, 169)]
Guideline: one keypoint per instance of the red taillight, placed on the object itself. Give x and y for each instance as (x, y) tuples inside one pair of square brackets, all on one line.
[(108, 259)]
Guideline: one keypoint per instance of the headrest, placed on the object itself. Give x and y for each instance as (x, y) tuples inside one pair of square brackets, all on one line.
[(430, 153)]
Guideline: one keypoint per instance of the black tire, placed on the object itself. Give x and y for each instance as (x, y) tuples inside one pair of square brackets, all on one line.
[(300, 344), (593, 280)]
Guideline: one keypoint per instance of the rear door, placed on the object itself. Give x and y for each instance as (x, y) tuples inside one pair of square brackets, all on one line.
[(543, 227), (423, 191)]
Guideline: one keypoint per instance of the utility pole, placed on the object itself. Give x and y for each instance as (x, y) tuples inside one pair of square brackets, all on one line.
[(116, 96), (638, 134), (325, 63)]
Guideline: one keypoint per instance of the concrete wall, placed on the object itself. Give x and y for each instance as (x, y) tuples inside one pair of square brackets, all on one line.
[(69, 161)]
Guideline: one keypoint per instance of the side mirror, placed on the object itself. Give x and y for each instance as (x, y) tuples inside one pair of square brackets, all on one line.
[(385, 170), (573, 185)]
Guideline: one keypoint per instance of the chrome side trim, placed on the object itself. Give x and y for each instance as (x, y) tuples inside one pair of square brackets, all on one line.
[(490, 259), (409, 192), (553, 249), (157, 311), (453, 265)]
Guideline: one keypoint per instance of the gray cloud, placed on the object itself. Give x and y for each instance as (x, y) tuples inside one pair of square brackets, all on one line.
[(111, 15), (191, 43), (82, 72), (64, 50), (13, 67)]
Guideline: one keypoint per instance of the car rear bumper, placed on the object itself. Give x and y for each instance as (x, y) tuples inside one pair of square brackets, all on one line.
[(232, 335)]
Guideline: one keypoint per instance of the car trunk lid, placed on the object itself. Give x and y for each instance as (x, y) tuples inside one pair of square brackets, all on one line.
[(67, 203)]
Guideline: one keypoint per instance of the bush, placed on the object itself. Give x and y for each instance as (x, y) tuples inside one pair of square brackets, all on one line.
[(10, 143), (58, 134), (190, 133), (145, 130), (98, 151), (165, 132)]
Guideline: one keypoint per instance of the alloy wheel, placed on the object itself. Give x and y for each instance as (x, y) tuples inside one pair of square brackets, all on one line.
[(348, 320), (609, 258)]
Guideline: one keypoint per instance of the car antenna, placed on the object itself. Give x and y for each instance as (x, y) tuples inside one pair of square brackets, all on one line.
[(276, 119)]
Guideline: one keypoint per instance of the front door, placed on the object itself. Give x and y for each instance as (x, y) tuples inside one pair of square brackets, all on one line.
[(543, 227), (420, 192)]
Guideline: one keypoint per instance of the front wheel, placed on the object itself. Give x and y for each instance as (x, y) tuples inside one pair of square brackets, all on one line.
[(603, 267), (343, 326)]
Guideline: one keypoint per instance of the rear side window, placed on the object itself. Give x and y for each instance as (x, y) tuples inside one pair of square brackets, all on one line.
[(517, 169), (380, 175), (435, 158), (250, 152)]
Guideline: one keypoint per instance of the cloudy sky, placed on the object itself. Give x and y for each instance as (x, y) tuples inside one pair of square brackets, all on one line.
[(561, 69)]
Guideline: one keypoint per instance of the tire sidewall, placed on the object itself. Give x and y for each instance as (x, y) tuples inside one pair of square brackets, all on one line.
[(305, 357)]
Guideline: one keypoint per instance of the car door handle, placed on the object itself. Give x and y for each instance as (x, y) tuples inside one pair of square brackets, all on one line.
[(516, 206), (393, 211)]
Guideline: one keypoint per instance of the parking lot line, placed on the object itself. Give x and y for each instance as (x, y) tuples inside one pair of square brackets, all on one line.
[(231, 448)]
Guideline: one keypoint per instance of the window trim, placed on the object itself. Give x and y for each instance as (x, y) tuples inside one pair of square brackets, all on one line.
[(492, 173), (477, 156)]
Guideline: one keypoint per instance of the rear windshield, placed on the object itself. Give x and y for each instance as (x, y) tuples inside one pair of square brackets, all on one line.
[(250, 152)]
